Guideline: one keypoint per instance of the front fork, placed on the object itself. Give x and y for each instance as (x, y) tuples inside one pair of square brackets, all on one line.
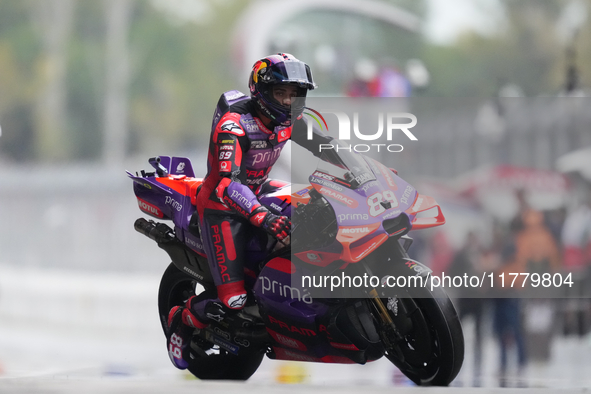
[(389, 332)]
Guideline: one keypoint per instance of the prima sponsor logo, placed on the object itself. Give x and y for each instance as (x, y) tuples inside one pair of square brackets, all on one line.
[(326, 183), (268, 285), (355, 230), (227, 147), (352, 216), (180, 167), (258, 144), (239, 198), (173, 203), (266, 157), (406, 194), (369, 185)]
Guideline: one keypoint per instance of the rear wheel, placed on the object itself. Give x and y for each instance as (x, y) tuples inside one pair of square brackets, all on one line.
[(430, 351), (208, 361)]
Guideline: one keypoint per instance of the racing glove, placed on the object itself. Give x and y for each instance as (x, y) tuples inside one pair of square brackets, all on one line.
[(278, 226)]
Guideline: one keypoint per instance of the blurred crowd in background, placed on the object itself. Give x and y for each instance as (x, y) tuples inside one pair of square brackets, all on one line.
[(85, 81), (533, 241), (98, 84)]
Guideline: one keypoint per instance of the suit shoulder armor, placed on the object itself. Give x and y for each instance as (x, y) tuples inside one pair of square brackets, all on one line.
[(230, 123)]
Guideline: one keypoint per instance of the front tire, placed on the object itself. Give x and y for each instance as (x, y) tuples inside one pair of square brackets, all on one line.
[(431, 351), (208, 361)]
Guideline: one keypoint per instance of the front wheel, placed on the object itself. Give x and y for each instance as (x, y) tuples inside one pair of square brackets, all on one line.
[(430, 348), (208, 360)]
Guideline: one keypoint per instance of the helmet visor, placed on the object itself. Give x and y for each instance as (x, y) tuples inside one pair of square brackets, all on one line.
[(294, 72)]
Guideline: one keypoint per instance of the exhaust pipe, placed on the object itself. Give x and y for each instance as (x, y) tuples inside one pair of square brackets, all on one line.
[(158, 232)]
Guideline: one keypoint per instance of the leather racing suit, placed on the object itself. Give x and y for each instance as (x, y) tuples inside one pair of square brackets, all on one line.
[(242, 152)]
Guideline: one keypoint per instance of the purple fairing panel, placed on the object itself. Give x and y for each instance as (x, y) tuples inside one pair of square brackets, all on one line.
[(289, 310), (277, 201), (151, 196), (164, 203), (363, 205), (177, 165)]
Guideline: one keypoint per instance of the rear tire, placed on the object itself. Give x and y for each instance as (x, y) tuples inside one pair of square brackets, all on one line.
[(209, 361)]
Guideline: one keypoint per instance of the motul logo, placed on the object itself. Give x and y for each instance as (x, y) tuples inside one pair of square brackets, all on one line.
[(149, 208), (363, 230)]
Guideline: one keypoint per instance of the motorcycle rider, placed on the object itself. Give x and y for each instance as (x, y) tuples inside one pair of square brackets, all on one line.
[(248, 134)]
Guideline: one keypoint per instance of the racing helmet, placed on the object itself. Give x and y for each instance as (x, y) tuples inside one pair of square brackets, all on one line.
[(281, 68)]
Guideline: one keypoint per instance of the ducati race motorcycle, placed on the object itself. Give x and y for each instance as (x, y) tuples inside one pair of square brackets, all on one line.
[(351, 220)]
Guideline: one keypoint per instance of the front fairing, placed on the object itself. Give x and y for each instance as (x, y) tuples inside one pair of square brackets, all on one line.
[(370, 202)]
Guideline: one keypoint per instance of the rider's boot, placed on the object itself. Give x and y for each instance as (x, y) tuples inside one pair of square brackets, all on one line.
[(182, 322), (197, 313)]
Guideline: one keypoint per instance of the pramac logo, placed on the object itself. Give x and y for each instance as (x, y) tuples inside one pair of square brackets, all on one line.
[(393, 123)]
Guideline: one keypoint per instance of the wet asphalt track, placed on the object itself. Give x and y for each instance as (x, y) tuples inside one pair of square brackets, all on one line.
[(49, 385)]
